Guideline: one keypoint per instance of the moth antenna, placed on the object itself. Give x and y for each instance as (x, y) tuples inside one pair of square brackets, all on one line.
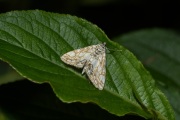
[(112, 49)]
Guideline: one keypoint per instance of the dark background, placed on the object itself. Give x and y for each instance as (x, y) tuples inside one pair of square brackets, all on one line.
[(115, 17)]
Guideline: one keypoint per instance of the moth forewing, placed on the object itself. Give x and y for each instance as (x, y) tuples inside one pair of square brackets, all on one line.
[(98, 72), (92, 59)]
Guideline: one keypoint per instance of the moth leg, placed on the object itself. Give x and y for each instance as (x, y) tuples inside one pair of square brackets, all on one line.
[(88, 68)]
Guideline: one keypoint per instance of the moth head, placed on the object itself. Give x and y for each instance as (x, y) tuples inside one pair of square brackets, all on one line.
[(103, 45)]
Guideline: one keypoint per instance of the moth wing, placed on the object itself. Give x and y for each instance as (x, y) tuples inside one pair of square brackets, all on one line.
[(97, 72), (78, 57)]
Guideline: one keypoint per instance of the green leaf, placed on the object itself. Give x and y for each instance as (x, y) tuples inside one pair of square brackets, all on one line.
[(158, 49), (33, 41)]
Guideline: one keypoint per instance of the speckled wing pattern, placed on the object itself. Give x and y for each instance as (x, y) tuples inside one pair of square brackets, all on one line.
[(93, 61)]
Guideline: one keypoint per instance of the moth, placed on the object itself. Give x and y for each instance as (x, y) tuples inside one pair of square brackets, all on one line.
[(92, 60)]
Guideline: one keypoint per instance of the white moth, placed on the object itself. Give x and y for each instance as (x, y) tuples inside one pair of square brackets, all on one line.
[(92, 59)]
